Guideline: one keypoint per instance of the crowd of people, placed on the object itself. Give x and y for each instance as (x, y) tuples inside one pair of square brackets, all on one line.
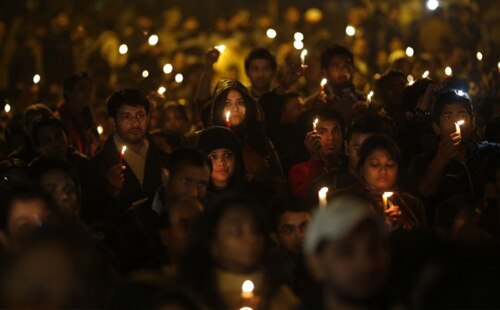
[(346, 156)]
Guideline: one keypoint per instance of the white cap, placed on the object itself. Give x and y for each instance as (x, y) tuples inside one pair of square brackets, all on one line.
[(339, 218)]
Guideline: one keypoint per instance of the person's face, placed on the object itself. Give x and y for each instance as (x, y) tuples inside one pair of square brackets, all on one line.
[(393, 90), (353, 147), (63, 190), (26, 216), (291, 230), (238, 243), (223, 165), (52, 142), (330, 136), (235, 104), (190, 181), (182, 218), (173, 120), (340, 71), (355, 266), (453, 113), (292, 110), (379, 171), (260, 73), (131, 123)]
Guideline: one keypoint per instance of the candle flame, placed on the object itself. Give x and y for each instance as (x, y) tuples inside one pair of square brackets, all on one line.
[(370, 95), (425, 74), (100, 130), (303, 54), (315, 122), (460, 122), (124, 148), (323, 191), (387, 194), (228, 115), (323, 82), (220, 48), (247, 286)]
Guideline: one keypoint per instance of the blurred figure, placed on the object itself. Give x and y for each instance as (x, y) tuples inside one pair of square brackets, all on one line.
[(260, 67), (347, 252)]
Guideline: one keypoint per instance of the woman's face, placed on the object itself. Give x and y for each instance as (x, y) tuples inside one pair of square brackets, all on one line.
[(238, 243), (224, 164), (379, 170), (236, 106)]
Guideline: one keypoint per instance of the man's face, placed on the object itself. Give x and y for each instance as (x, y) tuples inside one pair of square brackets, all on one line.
[(182, 218), (330, 137), (453, 113), (354, 267), (352, 148), (260, 74), (291, 229), (340, 71), (190, 181), (63, 190), (52, 142), (393, 90), (131, 123)]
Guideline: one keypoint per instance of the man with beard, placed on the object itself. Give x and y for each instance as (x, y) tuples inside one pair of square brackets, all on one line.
[(324, 144), (347, 252), (337, 64), (125, 177)]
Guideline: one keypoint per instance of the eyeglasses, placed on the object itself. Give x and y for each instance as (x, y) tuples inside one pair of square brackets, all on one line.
[(292, 229)]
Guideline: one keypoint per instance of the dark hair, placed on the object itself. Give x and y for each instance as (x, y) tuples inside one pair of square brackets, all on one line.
[(44, 122), (329, 114), (129, 96), (448, 97), (379, 141), (386, 77), (369, 123), (261, 53), (198, 268), (281, 204), (182, 157), (21, 192), (71, 81), (181, 109), (336, 50), (412, 93), (33, 112), (174, 139)]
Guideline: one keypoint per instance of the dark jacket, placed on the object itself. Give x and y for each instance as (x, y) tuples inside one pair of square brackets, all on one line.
[(132, 190)]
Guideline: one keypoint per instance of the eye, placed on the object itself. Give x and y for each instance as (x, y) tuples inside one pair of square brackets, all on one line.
[(228, 155)]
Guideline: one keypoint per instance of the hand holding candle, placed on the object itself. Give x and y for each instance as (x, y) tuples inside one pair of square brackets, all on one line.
[(303, 55), (457, 126), (385, 198), (122, 154), (322, 197)]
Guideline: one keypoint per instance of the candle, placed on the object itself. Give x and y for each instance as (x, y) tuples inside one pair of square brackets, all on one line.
[(425, 74), (323, 83), (303, 57), (122, 153), (369, 97), (247, 289), (322, 197), (315, 123), (246, 308), (385, 197), (228, 115), (457, 126)]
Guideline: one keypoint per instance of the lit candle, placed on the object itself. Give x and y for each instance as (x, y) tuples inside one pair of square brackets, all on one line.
[(122, 153), (385, 197), (220, 48), (6, 108), (425, 74), (315, 123), (323, 83), (303, 55), (457, 126), (247, 289), (100, 130), (228, 115), (322, 197), (369, 97), (271, 33), (448, 71), (246, 308)]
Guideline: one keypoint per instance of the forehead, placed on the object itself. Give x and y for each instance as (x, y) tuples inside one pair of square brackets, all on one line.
[(454, 108), (221, 150), (339, 59), (21, 207), (360, 137), (56, 176), (379, 153), (194, 171), (125, 108), (294, 217), (259, 63), (328, 123), (233, 93)]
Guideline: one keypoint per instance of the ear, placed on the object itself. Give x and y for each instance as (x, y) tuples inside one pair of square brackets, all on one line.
[(436, 129), (313, 262), (163, 236)]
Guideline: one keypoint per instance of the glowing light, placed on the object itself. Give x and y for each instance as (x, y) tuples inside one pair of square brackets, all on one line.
[(153, 40), (123, 49), (7, 108), (323, 82), (322, 197), (168, 68), (271, 33), (179, 78), (303, 55), (425, 74), (100, 130), (350, 30), (298, 45), (410, 78), (161, 90), (409, 51), (461, 93), (36, 78), (315, 123), (479, 56), (145, 73), (432, 4), (385, 197), (448, 71), (370, 96), (247, 289), (124, 149), (298, 36), (220, 48), (457, 126)]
